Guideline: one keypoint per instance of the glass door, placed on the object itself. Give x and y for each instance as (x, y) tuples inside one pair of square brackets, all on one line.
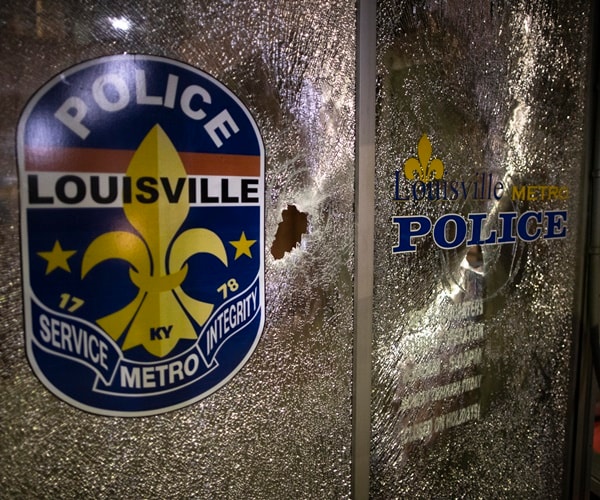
[(479, 249)]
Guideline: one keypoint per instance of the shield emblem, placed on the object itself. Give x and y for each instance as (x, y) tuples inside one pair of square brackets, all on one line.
[(142, 209)]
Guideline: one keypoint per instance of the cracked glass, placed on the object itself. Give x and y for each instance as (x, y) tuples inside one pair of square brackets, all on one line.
[(479, 221), (281, 428)]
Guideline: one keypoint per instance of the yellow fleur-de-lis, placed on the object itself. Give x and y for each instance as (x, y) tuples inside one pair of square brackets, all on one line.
[(424, 168), (159, 316)]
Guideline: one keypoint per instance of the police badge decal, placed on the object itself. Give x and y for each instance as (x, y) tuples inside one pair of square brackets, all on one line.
[(142, 223)]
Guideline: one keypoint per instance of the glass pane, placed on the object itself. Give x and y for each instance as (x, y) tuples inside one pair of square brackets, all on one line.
[(478, 183), (281, 427)]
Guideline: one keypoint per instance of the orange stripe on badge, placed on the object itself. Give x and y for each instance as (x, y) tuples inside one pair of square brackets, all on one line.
[(116, 161), (216, 164)]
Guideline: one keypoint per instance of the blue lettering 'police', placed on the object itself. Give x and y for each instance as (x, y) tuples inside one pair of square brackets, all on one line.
[(529, 227)]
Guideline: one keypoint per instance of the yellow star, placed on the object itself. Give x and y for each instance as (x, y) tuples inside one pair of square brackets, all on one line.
[(56, 258), (242, 246)]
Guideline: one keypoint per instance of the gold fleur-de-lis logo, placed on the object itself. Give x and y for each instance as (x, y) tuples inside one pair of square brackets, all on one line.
[(425, 168), (161, 313)]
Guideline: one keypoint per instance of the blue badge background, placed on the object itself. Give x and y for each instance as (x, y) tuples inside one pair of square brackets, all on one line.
[(125, 129), (75, 380), (107, 287)]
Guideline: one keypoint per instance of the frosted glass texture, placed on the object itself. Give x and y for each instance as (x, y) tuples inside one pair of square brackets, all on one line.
[(282, 427)]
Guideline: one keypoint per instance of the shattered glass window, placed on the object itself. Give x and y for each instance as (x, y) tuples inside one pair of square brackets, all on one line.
[(281, 428), (480, 155)]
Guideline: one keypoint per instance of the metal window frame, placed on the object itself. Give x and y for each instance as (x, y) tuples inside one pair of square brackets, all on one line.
[(364, 246)]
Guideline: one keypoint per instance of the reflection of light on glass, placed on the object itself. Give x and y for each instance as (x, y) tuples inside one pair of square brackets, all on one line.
[(471, 262), (120, 23), (516, 129), (519, 89), (314, 110), (527, 24)]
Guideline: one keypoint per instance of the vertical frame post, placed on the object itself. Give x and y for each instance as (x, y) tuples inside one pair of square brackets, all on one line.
[(364, 238)]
